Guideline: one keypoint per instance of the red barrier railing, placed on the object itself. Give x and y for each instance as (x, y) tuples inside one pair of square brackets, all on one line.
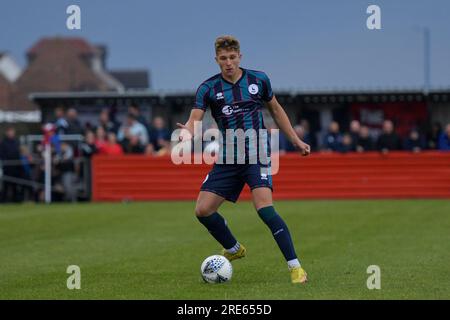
[(320, 176)]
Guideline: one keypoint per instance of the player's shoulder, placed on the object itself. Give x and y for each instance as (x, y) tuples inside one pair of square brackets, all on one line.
[(258, 74), (210, 82)]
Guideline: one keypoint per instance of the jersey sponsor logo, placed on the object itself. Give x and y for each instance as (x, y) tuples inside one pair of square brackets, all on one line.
[(227, 110), (253, 89), (219, 95)]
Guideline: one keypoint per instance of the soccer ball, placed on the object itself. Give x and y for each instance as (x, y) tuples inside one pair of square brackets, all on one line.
[(216, 269)]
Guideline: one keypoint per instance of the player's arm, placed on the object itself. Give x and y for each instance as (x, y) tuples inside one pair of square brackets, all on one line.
[(281, 119), (187, 130)]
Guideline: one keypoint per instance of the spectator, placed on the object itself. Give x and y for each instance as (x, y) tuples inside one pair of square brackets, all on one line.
[(112, 147), (332, 138), (414, 142), (28, 166), (149, 150), (89, 146), (106, 122), (100, 138), (346, 144), (60, 122), (133, 128), (355, 129), (10, 152), (66, 167), (444, 139), (74, 125), (160, 136), (286, 145), (308, 136), (433, 136), (388, 140), (132, 145), (365, 142), (134, 110)]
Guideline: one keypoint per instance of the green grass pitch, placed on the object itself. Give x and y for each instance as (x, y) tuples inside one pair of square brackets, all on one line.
[(154, 250)]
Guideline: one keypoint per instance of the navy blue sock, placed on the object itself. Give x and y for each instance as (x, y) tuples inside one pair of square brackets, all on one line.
[(279, 231), (217, 226)]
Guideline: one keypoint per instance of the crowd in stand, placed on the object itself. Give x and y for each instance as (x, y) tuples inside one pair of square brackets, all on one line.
[(359, 139), (23, 169)]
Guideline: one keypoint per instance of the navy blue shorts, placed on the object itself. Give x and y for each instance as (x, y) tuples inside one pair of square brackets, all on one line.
[(228, 180)]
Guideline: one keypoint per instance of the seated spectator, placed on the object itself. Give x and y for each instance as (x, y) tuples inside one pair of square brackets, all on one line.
[(106, 122), (414, 142), (160, 136), (286, 145), (132, 145), (149, 150), (388, 140), (333, 138), (112, 147), (346, 144), (132, 127), (444, 139), (73, 124), (100, 138), (308, 136), (365, 142)]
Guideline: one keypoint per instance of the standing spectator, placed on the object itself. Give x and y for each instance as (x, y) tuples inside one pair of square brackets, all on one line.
[(134, 110), (160, 136), (444, 139), (414, 142), (332, 138), (73, 124), (388, 140), (112, 147), (355, 129), (10, 151), (89, 147), (106, 122), (60, 122), (365, 142), (132, 127), (66, 168), (433, 136)]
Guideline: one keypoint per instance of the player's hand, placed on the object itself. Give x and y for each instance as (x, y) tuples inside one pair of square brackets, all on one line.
[(185, 134), (305, 149)]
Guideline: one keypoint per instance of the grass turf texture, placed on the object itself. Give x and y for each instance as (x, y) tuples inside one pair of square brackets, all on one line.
[(154, 251)]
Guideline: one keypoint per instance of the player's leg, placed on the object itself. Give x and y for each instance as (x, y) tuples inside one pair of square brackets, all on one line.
[(206, 211), (262, 200)]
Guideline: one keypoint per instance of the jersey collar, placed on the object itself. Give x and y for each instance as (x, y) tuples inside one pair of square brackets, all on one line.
[(237, 82)]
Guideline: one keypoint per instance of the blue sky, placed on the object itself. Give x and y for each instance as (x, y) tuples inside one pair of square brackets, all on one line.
[(314, 44)]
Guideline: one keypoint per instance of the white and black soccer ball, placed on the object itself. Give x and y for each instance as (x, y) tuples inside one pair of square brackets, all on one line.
[(216, 269)]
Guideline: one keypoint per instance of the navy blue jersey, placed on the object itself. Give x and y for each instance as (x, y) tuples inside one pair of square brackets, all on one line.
[(237, 106)]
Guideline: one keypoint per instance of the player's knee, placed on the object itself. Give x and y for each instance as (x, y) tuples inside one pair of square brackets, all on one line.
[(203, 211)]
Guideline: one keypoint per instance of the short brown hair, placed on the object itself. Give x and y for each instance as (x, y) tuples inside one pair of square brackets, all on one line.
[(227, 43)]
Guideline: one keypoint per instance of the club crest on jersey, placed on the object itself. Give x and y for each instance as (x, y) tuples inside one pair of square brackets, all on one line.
[(253, 89), (219, 95)]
